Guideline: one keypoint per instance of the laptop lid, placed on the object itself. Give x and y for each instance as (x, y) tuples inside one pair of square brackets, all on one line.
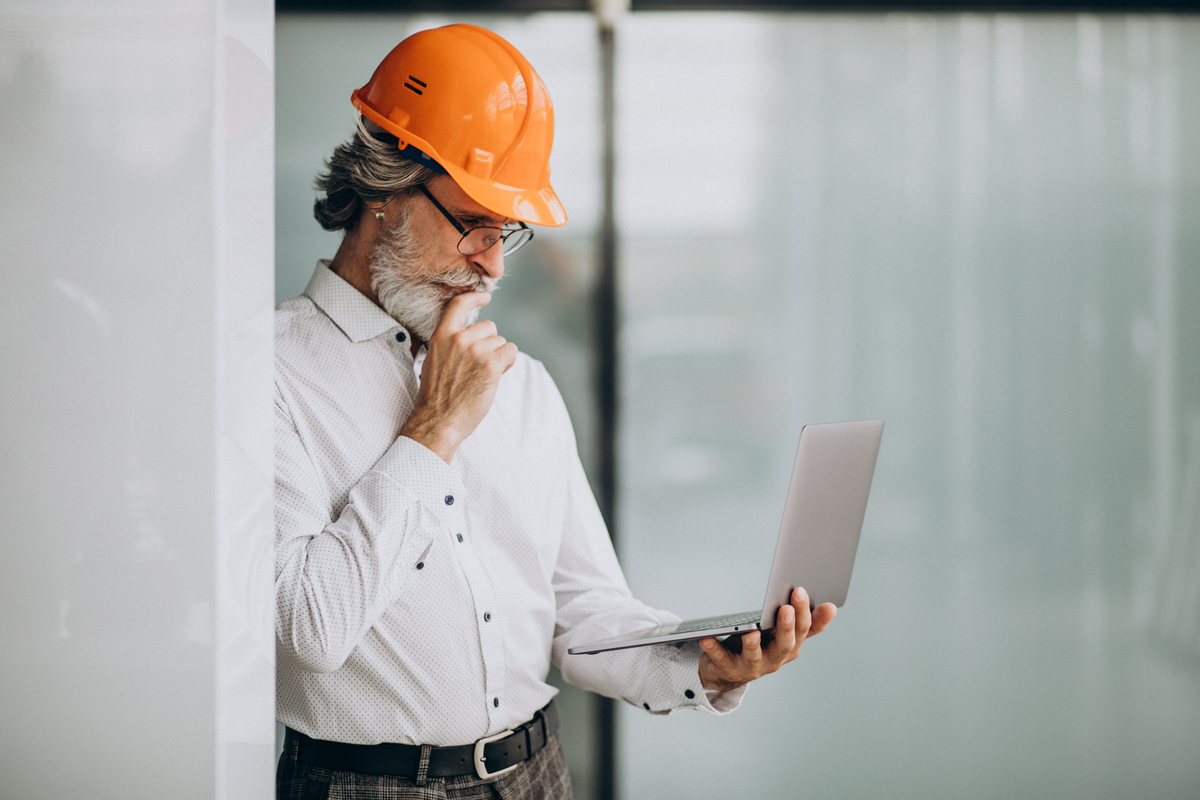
[(823, 516), (818, 538)]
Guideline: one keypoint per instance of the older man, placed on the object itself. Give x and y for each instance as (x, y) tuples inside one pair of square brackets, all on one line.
[(437, 543)]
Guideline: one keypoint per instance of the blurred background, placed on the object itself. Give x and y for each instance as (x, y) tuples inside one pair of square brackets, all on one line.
[(980, 227)]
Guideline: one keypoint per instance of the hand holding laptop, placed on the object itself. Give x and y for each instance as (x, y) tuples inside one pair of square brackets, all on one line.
[(818, 538), (741, 659)]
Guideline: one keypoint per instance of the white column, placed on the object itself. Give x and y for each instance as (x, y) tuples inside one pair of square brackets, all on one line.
[(136, 250)]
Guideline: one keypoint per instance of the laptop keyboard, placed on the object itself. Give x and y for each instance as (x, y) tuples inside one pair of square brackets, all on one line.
[(745, 618)]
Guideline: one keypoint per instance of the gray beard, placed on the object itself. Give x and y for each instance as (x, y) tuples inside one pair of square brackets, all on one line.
[(413, 299)]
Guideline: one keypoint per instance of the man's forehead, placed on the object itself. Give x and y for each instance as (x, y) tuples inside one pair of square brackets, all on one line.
[(461, 205)]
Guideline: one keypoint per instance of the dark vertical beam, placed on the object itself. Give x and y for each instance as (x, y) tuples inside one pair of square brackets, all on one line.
[(606, 387), (606, 296)]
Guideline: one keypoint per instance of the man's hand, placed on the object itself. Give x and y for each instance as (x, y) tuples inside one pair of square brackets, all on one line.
[(723, 667), (459, 378)]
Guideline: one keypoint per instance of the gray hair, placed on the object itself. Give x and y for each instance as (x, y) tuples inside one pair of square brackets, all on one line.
[(368, 168)]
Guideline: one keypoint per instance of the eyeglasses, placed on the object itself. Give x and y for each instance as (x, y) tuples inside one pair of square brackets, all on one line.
[(477, 240)]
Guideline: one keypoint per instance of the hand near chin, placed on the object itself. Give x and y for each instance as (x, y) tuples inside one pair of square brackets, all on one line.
[(462, 370)]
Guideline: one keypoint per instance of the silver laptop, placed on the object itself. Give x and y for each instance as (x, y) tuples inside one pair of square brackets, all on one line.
[(822, 519)]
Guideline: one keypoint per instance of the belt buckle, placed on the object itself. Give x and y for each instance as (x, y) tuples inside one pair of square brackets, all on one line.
[(480, 759)]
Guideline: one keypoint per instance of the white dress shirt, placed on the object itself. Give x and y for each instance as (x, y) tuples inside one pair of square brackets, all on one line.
[(422, 602)]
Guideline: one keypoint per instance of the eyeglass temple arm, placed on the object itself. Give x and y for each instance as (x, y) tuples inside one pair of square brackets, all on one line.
[(457, 225)]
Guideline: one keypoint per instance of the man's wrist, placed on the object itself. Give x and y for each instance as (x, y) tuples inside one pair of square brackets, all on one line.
[(439, 439), (718, 685)]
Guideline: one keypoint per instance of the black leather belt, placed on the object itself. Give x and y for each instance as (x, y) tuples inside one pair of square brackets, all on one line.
[(487, 758)]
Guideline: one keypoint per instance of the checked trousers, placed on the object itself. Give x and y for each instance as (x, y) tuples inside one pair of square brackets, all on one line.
[(543, 777)]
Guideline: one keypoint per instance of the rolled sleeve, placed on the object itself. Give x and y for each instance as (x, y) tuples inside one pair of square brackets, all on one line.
[(683, 679)]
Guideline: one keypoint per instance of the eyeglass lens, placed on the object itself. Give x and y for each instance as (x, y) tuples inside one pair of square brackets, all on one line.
[(478, 240)]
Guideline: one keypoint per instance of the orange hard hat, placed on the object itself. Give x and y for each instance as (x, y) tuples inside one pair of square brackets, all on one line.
[(463, 101)]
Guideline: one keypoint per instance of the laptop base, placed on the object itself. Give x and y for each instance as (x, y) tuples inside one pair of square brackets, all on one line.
[(686, 631)]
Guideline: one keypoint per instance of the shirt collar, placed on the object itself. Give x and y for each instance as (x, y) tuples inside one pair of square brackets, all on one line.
[(350, 310)]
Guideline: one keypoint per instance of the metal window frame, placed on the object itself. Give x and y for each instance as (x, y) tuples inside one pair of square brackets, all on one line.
[(497, 7)]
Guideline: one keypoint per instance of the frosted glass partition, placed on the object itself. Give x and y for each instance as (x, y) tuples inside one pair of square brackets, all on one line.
[(136, 611), (983, 229), (543, 304)]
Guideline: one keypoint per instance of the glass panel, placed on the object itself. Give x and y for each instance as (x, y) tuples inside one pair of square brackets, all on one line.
[(135, 381), (982, 229), (544, 303)]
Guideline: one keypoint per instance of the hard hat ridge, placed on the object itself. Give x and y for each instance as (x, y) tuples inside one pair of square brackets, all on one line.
[(463, 98), (411, 153)]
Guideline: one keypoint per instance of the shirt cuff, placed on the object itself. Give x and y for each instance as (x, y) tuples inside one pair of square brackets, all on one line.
[(689, 693), (436, 484)]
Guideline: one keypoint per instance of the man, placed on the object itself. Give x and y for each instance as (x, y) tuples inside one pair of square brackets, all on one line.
[(437, 543)]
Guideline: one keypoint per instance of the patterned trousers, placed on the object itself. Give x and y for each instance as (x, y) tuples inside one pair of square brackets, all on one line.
[(543, 777)]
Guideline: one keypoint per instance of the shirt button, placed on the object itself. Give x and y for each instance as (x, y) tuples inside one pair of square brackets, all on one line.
[(460, 537), (400, 337), (689, 694), (487, 616), (420, 565), (646, 706), (449, 499), (496, 702)]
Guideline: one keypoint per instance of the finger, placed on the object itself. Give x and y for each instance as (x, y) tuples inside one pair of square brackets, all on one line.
[(493, 342), (508, 354), (800, 606), (482, 329), (454, 315), (721, 657), (803, 606), (785, 633), (752, 653), (821, 617), (502, 351)]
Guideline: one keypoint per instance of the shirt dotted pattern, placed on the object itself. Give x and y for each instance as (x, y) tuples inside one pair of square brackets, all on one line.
[(422, 602)]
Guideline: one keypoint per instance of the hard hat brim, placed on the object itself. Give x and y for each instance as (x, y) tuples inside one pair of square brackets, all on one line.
[(536, 207)]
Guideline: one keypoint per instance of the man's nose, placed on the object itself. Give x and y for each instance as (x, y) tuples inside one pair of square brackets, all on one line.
[(491, 261)]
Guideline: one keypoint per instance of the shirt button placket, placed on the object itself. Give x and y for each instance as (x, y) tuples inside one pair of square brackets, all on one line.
[(491, 636), (491, 640)]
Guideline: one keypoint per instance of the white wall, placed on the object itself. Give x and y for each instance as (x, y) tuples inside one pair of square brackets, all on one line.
[(136, 248)]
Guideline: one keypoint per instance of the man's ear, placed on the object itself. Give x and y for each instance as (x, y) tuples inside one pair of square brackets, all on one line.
[(375, 209)]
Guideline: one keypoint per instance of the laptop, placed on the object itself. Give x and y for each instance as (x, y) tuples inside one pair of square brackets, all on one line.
[(822, 520)]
